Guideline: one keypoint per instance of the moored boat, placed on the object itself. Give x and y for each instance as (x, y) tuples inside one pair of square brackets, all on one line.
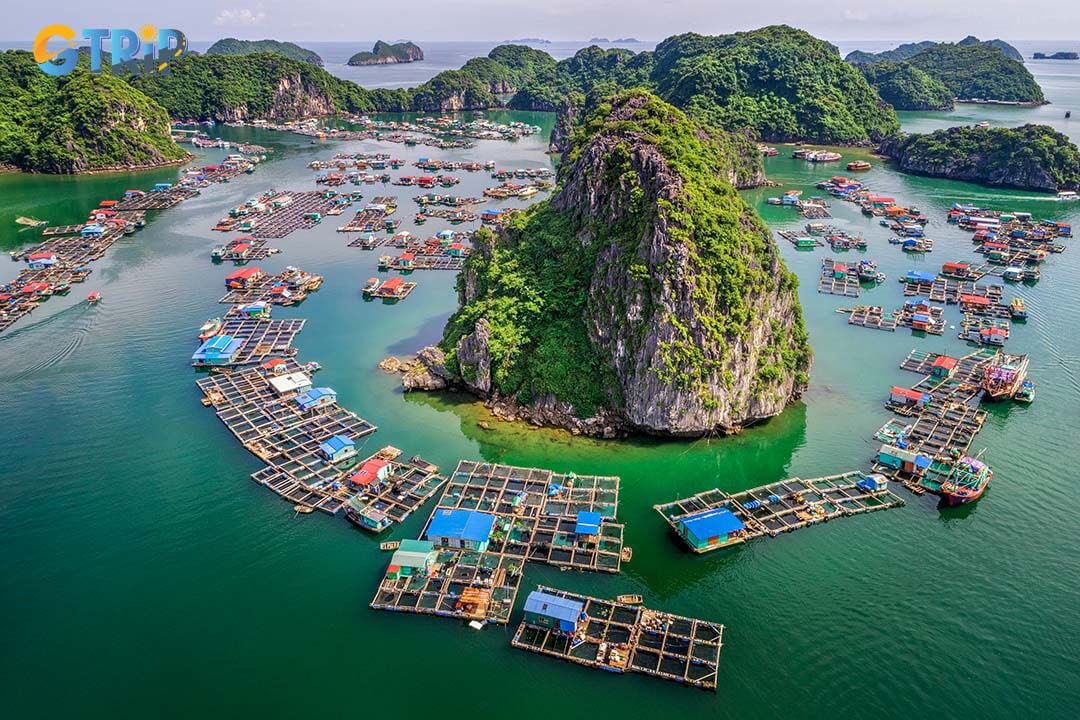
[(858, 165), (210, 328), (1026, 393), (371, 286), (968, 481), (1004, 376), (1017, 309)]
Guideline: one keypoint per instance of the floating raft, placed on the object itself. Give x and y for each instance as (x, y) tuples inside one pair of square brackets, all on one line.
[(620, 638), (949, 291), (943, 434), (261, 339), (847, 284), (300, 215), (157, 200), (265, 288), (776, 508), (537, 512), (460, 584), (961, 384), (872, 317)]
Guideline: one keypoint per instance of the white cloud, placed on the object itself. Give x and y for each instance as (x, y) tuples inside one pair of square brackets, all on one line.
[(241, 16)]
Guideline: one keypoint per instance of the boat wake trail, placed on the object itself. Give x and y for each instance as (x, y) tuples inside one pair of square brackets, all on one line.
[(57, 352)]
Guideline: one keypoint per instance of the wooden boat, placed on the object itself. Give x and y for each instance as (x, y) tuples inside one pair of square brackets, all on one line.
[(1017, 309), (210, 328), (858, 165), (1026, 393), (303, 509), (390, 545), (372, 286), (1004, 376), (968, 481), (93, 297), (630, 599)]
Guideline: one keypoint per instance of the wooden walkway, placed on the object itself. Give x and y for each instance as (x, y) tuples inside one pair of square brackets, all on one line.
[(872, 317), (626, 638)]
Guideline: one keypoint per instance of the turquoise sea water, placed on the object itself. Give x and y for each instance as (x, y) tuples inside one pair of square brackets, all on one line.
[(145, 575)]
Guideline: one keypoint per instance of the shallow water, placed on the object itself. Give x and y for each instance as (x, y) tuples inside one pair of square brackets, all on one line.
[(145, 574)]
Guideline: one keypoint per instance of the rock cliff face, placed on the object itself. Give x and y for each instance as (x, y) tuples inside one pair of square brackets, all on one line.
[(292, 98), (645, 296), (1031, 157)]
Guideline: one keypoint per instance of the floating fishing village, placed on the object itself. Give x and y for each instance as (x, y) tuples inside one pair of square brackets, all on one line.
[(491, 521), (541, 358)]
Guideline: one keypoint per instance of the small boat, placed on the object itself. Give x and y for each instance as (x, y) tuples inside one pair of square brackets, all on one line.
[(630, 599), (968, 481), (303, 509), (29, 223), (1026, 393), (371, 286), (210, 328), (859, 165), (93, 297), (1017, 309), (390, 545), (477, 624), (1013, 273), (312, 367), (1068, 195), (983, 124)]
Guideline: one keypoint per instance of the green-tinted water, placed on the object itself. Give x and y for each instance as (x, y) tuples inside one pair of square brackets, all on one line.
[(144, 574)]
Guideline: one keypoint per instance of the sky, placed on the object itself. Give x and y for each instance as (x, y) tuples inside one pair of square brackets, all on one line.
[(207, 20)]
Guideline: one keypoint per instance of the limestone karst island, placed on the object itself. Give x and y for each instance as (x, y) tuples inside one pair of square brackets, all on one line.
[(660, 362)]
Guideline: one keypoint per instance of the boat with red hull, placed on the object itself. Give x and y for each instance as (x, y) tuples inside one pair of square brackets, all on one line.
[(968, 482), (1004, 376)]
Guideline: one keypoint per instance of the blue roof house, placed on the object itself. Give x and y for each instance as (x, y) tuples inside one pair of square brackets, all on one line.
[(711, 529), (587, 525), (466, 529), (316, 398), (338, 448), (551, 612), (218, 351)]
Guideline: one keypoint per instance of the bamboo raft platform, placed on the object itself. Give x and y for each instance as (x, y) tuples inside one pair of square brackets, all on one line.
[(284, 221), (621, 638), (536, 513), (157, 200), (369, 240), (793, 238), (455, 215), (394, 294), (944, 434), (873, 317), (63, 230), (368, 220), (461, 584), (847, 286), (440, 261), (783, 506), (257, 249), (298, 282), (261, 338), (946, 290), (905, 317)]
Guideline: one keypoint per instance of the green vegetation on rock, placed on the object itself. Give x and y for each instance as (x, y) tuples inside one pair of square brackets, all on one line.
[(909, 50), (79, 122), (1031, 157), (644, 288), (232, 46), (906, 87), (979, 72)]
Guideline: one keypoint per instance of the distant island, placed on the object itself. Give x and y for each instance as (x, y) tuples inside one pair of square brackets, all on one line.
[(626, 40), (530, 41), (1057, 56), (909, 50), (386, 54), (232, 46), (599, 40)]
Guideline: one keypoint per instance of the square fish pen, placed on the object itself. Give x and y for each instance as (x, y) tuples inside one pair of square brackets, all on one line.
[(622, 638), (776, 508), (460, 584)]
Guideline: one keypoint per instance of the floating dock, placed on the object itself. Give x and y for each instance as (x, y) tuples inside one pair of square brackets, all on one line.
[(288, 287), (612, 636), (872, 317), (838, 279), (713, 519)]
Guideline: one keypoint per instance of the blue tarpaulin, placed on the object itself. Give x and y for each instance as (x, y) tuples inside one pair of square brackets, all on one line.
[(711, 523), (469, 525), (588, 523)]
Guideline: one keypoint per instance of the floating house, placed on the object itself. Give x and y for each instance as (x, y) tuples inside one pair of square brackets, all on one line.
[(91, 230), (296, 382), (465, 529), (906, 397), (916, 276), (371, 473), (274, 366), (414, 557), (902, 458), (258, 309), (405, 261), (552, 612), (587, 526), (218, 351), (242, 278), (41, 260), (944, 366), (316, 398), (338, 448), (710, 529)]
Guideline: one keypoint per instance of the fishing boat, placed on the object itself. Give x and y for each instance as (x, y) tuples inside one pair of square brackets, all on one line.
[(29, 223), (93, 297), (303, 509), (1017, 309), (858, 165), (1068, 195), (630, 599), (384, 262), (312, 367), (390, 545), (420, 218), (1004, 376), (1026, 393), (868, 272), (983, 124), (1013, 273), (968, 481), (210, 328), (371, 286)]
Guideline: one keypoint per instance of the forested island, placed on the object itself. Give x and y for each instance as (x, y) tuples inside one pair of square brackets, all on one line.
[(232, 46), (644, 296), (82, 122), (911, 76), (1031, 157), (386, 54), (1061, 55)]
